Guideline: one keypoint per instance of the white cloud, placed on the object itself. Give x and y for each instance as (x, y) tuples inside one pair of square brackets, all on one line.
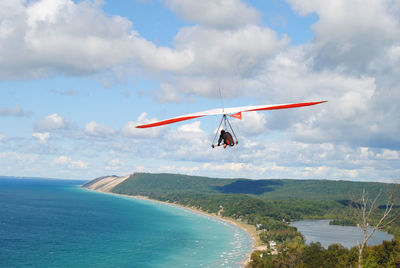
[(48, 37), (347, 173), (72, 164), (191, 128), (113, 164), (227, 59), (188, 142), (352, 62), (227, 167), (235, 52), (345, 38), (61, 160), (359, 110), (129, 129), (168, 93), (215, 13), (51, 122), (96, 130), (389, 155), (45, 37), (242, 170), (78, 165), (178, 169), (2, 138), (42, 136), (20, 158), (252, 123), (15, 111)]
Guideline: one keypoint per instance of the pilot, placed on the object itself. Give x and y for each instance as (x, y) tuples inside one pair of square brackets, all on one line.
[(227, 138)]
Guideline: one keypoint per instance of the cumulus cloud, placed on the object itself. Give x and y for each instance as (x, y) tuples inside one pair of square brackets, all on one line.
[(187, 133), (388, 155), (129, 129), (17, 157), (230, 59), (348, 39), (42, 136), (61, 160), (168, 93), (38, 38), (353, 62), (253, 123), (2, 138), (236, 51), (16, 111), (51, 122), (47, 37), (113, 164), (215, 14), (359, 111), (178, 169), (68, 162), (97, 130)]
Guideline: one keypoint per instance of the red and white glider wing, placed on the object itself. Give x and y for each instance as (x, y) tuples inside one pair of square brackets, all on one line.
[(229, 111)]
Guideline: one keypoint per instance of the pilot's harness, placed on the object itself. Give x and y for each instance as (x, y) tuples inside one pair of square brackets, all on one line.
[(224, 120)]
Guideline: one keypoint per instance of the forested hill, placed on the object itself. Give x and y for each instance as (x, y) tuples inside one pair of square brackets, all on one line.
[(276, 189)]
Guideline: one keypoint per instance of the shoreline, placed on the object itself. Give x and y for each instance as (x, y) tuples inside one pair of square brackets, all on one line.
[(243, 226), (249, 229)]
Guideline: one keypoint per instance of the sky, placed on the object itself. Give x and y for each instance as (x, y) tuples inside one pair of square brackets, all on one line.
[(76, 77)]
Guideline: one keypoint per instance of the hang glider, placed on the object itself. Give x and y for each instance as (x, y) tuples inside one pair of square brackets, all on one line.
[(235, 112)]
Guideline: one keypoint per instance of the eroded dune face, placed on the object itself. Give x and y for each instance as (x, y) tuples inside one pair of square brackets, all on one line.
[(104, 184)]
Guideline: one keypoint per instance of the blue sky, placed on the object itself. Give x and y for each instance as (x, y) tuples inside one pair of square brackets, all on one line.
[(77, 76)]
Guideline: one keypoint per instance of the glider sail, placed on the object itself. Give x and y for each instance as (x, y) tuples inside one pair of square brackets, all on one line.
[(233, 112)]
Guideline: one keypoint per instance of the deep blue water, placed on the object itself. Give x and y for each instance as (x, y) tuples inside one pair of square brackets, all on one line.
[(54, 223), (321, 231)]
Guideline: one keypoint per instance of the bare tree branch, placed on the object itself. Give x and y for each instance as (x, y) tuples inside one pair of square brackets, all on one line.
[(366, 210)]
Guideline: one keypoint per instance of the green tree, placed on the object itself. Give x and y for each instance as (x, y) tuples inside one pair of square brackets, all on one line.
[(256, 260), (313, 255)]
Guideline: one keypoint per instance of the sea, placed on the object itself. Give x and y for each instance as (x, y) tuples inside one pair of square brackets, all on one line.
[(55, 223)]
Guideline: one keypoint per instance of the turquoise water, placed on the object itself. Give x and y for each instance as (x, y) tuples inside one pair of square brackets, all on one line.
[(321, 231), (54, 223)]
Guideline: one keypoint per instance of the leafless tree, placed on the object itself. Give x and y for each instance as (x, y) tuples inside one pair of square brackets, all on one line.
[(370, 217)]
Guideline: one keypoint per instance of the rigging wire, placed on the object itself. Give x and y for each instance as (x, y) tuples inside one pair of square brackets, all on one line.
[(233, 132), (223, 122), (222, 102), (216, 133)]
